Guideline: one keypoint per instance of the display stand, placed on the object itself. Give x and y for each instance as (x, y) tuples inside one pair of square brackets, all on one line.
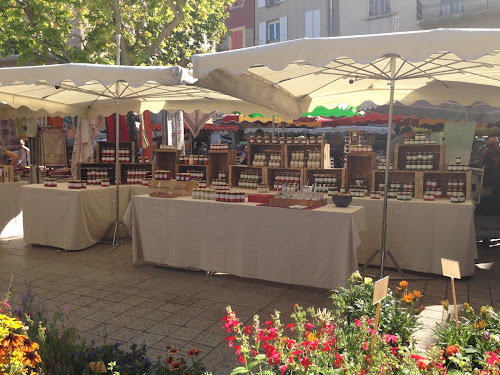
[(401, 151), (167, 160), (219, 161), (101, 145), (324, 148), (83, 168), (264, 148), (359, 164), (273, 172), (124, 168), (236, 170), (337, 172)]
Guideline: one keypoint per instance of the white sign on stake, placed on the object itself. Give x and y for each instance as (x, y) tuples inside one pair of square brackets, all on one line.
[(379, 293), (451, 269)]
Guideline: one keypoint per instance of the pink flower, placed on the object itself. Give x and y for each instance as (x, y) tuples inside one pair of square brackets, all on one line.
[(492, 358), (366, 346), (390, 338), (65, 308), (372, 332), (283, 368), (358, 323), (309, 326)]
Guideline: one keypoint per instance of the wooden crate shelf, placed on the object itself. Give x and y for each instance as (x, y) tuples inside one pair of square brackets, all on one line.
[(124, 167), (236, 170), (324, 148), (265, 148), (337, 172), (443, 177), (219, 161), (107, 144), (359, 164), (399, 176), (400, 152), (83, 168), (272, 172), (167, 160)]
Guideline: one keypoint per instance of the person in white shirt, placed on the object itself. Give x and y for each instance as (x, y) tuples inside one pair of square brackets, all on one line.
[(24, 155)]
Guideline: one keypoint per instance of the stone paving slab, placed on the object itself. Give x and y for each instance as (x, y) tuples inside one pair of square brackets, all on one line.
[(111, 300)]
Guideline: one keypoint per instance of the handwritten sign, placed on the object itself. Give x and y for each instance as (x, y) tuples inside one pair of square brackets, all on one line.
[(451, 268), (380, 291)]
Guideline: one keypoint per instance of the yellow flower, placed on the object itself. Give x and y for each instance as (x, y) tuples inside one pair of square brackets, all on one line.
[(468, 308), (311, 337), (31, 359), (368, 280), (484, 310), (403, 284), (483, 323), (12, 340), (476, 326), (408, 297)]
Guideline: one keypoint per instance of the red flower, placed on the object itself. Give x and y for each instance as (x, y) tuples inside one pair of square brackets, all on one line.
[(173, 351), (372, 332), (390, 338), (296, 352), (358, 322), (175, 366), (269, 324), (365, 346), (421, 361), (290, 326), (254, 352), (230, 322), (193, 352), (450, 350), (169, 360), (304, 361), (241, 359), (309, 326), (326, 347), (290, 343), (394, 350), (338, 360), (283, 369), (492, 358), (238, 349), (230, 339), (248, 330), (272, 333)]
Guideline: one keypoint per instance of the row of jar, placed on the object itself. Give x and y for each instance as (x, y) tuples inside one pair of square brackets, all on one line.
[(221, 196), (250, 176), (381, 167), (219, 147), (324, 179), (79, 184), (301, 155), (50, 182), (248, 184), (161, 174), (303, 164), (137, 180), (293, 178), (183, 176), (360, 148), (221, 187), (419, 165), (422, 156), (197, 175), (421, 140), (99, 172), (193, 160), (96, 181), (285, 140), (111, 152), (457, 168), (358, 181), (397, 185)]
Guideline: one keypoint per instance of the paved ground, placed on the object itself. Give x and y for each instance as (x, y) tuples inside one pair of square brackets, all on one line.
[(112, 300)]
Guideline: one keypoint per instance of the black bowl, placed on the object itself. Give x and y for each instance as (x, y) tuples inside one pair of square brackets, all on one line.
[(342, 200)]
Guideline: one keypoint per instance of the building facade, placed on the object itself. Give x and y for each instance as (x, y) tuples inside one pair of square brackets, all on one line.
[(280, 20), (240, 23)]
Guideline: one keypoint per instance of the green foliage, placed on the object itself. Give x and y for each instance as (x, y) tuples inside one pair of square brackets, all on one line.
[(153, 32)]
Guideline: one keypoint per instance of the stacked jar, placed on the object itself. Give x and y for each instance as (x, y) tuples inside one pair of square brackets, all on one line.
[(193, 160), (50, 182), (325, 183), (77, 184), (314, 159), (458, 166), (420, 139), (360, 188), (135, 176), (221, 147), (183, 177), (249, 180), (259, 160), (108, 155), (105, 182), (124, 155), (275, 160), (146, 181), (298, 159), (419, 161), (376, 195), (262, 188), (203, 193), (94, 176), (286, 178), (222, 175), (162, 174), (383, 163), (360, 148), (219, 185), (197, 175), (228, 196)]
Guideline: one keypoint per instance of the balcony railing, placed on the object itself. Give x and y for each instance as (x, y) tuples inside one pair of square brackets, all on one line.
[(432, 9)]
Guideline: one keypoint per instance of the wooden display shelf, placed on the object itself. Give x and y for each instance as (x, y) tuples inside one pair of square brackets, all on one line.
[(107, 144), (359, 164), (167, 160), (219, 161), (83, 168), (399, 176), (272, 172), (179, 188), (337, 172), (323, 147), (265, 148), (401, 150), (297, 202), (443, 177), (183, 168), (236, 170), (124, 167), (7, 173)]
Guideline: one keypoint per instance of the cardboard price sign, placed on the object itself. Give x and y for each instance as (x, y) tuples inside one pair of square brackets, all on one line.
[(379, 293), (451, 269)]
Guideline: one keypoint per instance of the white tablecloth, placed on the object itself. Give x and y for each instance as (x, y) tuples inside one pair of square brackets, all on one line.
[(420, 233), (11, 212), (69, 219), (305, 247), (138, 190)]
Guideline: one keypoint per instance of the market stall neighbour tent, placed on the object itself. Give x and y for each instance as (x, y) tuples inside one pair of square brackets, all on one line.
[(91, 90), (296, 76)]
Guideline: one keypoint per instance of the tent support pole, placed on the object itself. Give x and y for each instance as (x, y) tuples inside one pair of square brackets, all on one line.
[(383, 251)]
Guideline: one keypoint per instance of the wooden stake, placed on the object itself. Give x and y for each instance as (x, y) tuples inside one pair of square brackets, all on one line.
[(377, 318), (454, 299)]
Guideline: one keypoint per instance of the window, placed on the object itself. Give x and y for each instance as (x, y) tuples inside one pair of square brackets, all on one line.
[(236, 39), (273, 31), (449, 7), (313, 23), (380, 7)]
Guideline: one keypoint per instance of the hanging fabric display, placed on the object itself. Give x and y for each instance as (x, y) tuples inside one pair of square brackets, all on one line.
[(146, 137), (111, 125), (175, 127), (132, 131), (83, 148), (20, 129), (195, 120)]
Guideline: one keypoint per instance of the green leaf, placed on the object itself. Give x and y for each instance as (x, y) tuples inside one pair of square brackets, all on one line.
[(239, 370)]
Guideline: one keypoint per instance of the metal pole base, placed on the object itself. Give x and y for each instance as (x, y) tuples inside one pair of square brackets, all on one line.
[(115, 227), (387, 252)]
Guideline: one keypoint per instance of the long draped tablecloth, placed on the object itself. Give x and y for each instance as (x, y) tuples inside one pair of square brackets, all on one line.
[(420, 233), (304, 247), (69, 219), (11, 211)]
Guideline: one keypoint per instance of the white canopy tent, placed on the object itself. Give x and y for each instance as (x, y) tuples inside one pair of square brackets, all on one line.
[(296, 76), (91, 90)]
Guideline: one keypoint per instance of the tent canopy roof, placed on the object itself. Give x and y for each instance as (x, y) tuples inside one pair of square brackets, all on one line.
[(296, 76)]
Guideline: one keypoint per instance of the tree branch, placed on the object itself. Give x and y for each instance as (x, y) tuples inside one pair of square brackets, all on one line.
[(124, 50), (178, 9)]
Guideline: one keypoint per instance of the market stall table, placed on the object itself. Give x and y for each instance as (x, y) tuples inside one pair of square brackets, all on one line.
[(11, 212), (69, 219), (420, 233), (304, 247)]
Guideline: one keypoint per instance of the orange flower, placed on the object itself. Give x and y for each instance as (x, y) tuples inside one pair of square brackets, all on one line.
[(12, 340), (31, 359), (28, 345), (175, 366), (408, 297), (403, 284), (417, 294), (173, 351), (450, 350)]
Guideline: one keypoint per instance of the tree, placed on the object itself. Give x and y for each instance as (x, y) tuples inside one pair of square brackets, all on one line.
[(153, 32)]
